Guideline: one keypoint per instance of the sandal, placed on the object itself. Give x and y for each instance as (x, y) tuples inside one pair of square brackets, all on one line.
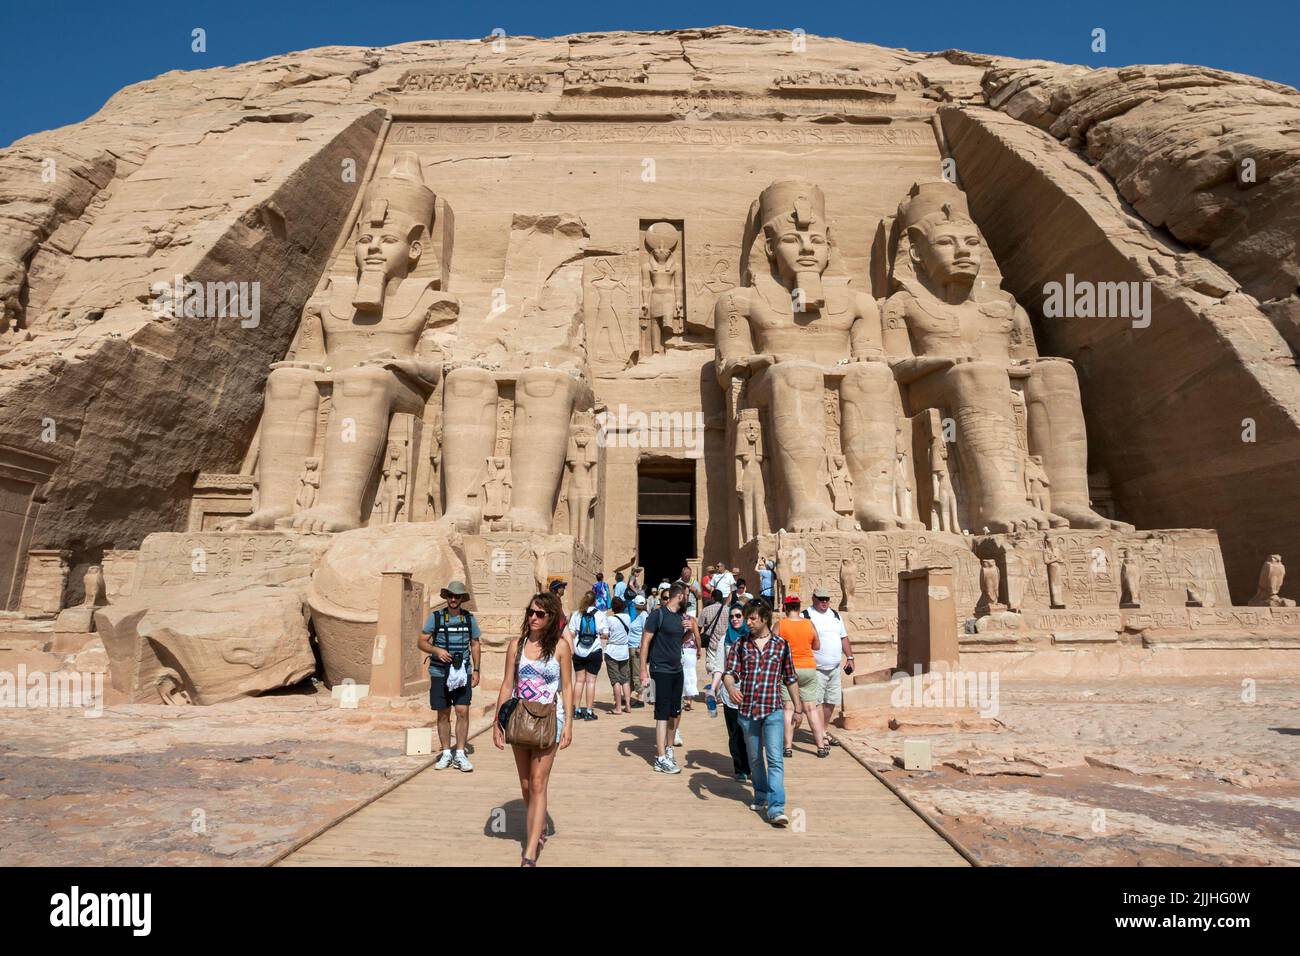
[(823, 751), (789, 752), (524, 861)]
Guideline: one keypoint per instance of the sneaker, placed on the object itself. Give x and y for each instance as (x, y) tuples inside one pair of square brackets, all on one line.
[(780, 820), (677, 739), (668, 752), (742, 777), (758, 807), (591, 714), (461, 762), (444, 761), (665, 765)]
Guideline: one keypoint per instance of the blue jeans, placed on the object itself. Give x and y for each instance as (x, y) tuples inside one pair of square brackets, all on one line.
[(765, 743)]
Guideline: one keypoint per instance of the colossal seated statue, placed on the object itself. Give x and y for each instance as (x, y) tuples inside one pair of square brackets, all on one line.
[(364, 337), (960, 353), (795, 331)]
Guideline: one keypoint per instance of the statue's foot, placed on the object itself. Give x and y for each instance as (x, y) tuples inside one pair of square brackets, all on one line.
[(875, 518), (260, 520), (1014, 517), (461, 519), (813, 519), (324, 519), (520, 519), (1081, 517)]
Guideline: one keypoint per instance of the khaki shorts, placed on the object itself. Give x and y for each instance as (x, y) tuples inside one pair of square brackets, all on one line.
[(828, 686), (807, 684), (620, 672)]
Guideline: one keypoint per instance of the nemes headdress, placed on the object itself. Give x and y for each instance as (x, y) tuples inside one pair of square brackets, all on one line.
[(938, 201), (400, 192), (794, 201)]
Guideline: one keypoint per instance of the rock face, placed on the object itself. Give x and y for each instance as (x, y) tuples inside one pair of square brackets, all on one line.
[(596, 301)]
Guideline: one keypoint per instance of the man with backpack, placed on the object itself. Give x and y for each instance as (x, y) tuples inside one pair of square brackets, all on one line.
[(834, 654), (451, 639)]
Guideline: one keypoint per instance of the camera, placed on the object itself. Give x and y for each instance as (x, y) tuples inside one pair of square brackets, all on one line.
[(457, 659)]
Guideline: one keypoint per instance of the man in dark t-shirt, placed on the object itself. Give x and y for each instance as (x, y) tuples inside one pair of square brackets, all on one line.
[(661, 661)]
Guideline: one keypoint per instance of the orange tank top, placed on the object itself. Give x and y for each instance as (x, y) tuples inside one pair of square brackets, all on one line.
[(799, 634)]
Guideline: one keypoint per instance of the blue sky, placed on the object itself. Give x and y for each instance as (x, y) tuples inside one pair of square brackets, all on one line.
[(62, 60)]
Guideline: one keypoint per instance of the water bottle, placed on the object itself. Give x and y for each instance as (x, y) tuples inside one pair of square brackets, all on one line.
[(711, 702)]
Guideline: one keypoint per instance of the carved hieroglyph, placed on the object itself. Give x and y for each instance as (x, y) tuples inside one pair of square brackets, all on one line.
[(793, 331), (962, 353)]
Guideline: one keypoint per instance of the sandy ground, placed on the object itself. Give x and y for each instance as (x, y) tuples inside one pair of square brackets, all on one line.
[(233, 783), (1114, 773)]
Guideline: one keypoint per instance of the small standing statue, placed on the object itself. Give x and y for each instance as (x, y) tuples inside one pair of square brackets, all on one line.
[(1271, 576), (309, 484), (661, 288), (943, 511), (496, 489), (902, 486), (840, 484), (990, 584), (394, 485), (540, 567), (435, 472), (848, 584), (1055, 586), (94, 585), (749, 477), (1130, 580), (582, 480), (1037, 484)]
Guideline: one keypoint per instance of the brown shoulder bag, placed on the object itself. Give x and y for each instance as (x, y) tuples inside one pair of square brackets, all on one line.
[(530, 724)]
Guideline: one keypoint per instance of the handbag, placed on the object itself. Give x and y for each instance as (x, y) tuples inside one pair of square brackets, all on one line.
[(527, 723)]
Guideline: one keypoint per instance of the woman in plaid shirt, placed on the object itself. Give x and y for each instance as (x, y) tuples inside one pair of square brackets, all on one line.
[(757, 665)]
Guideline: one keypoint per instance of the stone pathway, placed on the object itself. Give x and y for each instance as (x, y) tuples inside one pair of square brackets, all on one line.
[(609, 808)]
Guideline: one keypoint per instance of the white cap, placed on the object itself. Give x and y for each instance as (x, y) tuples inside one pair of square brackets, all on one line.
[(640, 600)]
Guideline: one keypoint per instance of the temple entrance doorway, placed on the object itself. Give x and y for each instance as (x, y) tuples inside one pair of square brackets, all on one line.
[(665, 522)]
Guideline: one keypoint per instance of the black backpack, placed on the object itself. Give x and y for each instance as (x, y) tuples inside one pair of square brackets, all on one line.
[(832, 610)]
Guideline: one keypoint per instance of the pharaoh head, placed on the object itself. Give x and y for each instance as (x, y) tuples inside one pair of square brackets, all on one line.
[(661, 239), (796, 235), (395, 220), (945, 245)]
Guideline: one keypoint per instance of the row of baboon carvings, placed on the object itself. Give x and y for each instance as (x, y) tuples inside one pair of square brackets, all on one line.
[(832, 395)]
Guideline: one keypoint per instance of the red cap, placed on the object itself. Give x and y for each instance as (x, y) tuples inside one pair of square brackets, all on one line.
[(792, 599)]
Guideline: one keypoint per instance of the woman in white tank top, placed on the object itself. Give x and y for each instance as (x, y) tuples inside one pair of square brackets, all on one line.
[(544, 674)]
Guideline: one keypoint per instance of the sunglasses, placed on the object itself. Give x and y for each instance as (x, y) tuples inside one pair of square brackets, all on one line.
[(533, 612)]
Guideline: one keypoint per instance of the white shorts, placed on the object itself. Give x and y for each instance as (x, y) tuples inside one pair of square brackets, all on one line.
[(690, 686)]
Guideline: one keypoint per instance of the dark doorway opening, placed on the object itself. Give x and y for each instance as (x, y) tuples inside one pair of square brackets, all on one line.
[(665, 522)]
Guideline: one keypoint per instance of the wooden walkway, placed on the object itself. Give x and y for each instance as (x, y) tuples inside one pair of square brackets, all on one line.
[(608, 807)]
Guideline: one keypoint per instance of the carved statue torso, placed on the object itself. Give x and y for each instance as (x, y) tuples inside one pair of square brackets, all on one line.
[(820, 336), (352, 337), (979, 330)]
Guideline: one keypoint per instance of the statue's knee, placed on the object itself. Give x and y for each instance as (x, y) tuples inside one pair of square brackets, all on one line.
[(289, 382), (362, 382), (867, 379), (979, 376), (1054, 375), (544, 383), (469, 381), (795, 375)]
